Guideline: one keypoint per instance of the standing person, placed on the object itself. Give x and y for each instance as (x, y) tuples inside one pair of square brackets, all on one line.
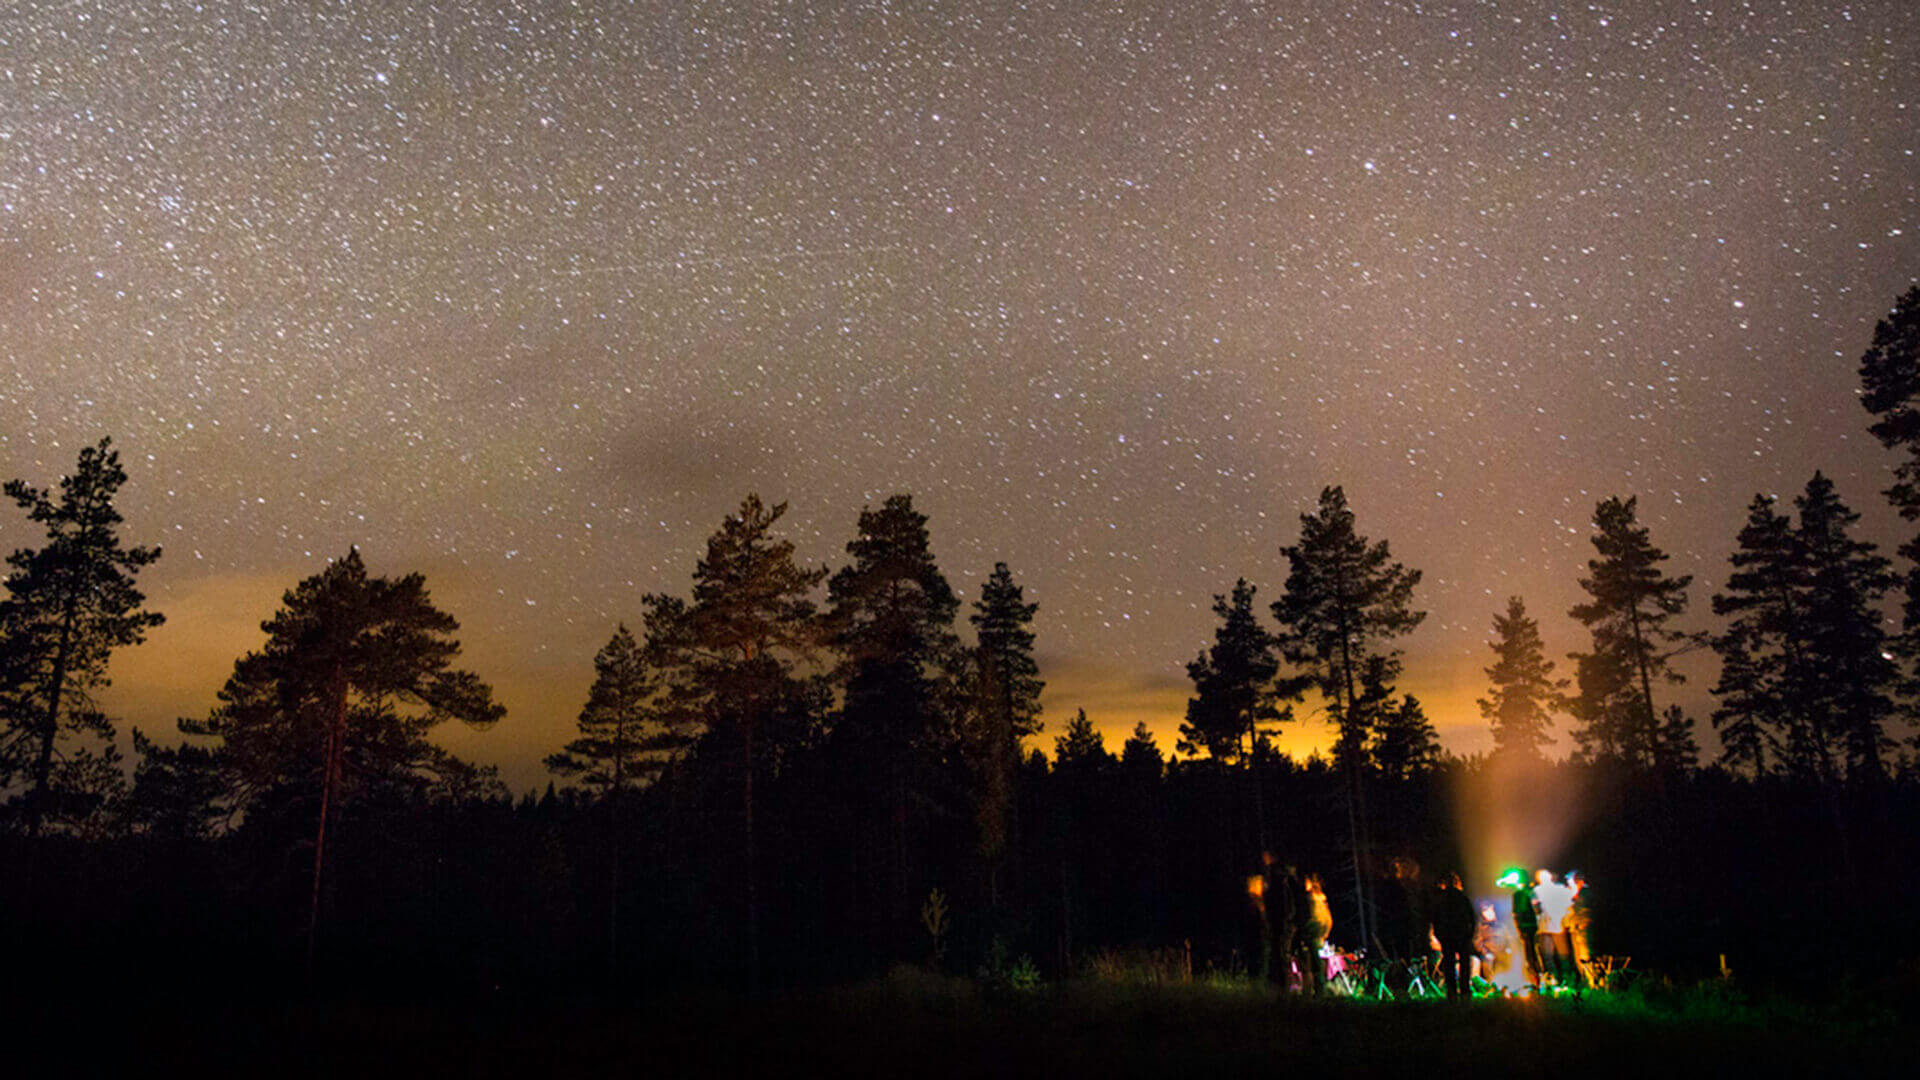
[(1316, 926), (1578, 923), (1556, 952), (1454, 922), (1284, 900), (1526, 920)]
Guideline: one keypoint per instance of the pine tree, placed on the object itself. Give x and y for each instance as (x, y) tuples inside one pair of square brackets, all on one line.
[(1525, 693), (1890, 390), (729, 658), (623, 743), (68, 606), (622, 737), (1633, 604), (1232, 683), (892, 604), (1346, 600), (337, 705), (178, 791), (891, 617)]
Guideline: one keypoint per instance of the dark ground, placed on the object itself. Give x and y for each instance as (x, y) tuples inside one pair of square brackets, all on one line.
[(917, 1025)]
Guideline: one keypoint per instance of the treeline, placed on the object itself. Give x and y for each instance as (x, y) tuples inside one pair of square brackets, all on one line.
[(790, 774)]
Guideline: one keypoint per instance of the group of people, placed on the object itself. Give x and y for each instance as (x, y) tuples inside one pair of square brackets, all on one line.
[(1417, 920), (1550, 920)]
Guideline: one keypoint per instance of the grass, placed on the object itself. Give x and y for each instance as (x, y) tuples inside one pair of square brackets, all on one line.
[(915, 1024)]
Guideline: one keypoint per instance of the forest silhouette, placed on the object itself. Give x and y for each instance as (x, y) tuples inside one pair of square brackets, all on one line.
[(790, 775)]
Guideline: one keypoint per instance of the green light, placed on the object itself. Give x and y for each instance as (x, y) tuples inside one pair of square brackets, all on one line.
[(1513, 878)]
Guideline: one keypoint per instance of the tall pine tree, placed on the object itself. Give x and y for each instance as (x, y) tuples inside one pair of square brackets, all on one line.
[(1346, 601), (623, 744), (891, 616), (1890, 390), (69, 604), (336, 707), (1630, 619), (729, 657), (622, 739)]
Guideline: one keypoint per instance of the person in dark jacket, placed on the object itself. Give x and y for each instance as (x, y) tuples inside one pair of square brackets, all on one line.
[(1526, 920), (1284, 897), (1454, 923)]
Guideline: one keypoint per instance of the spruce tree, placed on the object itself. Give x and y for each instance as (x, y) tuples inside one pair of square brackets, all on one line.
[(1006, 707), (1003, 621), (1675, 746), (1846, 579), (1629, 617), (1232, 683), (1805, 681), (1080, 748), (336, 707), (1405, 744), (1525, 693), (1140, 755), (69, 604), (1765, 677)]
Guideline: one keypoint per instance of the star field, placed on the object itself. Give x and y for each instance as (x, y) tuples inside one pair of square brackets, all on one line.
[(526, 296)]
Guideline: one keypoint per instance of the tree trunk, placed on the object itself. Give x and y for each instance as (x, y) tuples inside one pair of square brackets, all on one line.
[(1356, 807), (752, 892), (50, 727), (1646, 687), (329, 780), (615, 837)]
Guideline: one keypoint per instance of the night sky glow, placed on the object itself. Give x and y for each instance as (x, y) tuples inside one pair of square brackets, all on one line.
[(527, 296)]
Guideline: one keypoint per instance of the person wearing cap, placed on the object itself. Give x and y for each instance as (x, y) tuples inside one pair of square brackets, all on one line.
[(1526, 920)]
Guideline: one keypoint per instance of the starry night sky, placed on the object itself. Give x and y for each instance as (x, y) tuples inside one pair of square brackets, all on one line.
[(527, 296)]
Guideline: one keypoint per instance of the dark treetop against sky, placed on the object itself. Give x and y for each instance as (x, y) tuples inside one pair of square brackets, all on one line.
[(526, 296)]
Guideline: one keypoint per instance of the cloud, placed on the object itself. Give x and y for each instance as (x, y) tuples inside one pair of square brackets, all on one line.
[(688, 458)]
